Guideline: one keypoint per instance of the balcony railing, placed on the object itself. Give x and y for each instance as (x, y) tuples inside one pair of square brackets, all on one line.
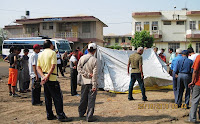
[(156, 33), (66, 35), (23, 35), (193, 33)]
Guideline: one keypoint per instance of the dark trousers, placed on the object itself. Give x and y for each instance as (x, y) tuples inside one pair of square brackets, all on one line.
[(59, 66), (26, 85), (87, 102), (175, 87), (134, 77), (73, 73), (52, 91), (183, 81), (36, 92)]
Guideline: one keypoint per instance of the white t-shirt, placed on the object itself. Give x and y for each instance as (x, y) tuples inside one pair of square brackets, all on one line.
[(58, 60), (193, 57), (33, 61), (72, 59)]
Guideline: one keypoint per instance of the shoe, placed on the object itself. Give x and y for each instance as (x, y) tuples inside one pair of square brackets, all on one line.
[(66, 119), (38, 104), (191, 122), (28, 90), (64, 76), (77, 95), (91, 120), (10, 94), (16, 95), (131, 99), (52, 118), (22, 91)]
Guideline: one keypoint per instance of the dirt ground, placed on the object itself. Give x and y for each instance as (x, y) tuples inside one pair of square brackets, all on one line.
[(110, 108)]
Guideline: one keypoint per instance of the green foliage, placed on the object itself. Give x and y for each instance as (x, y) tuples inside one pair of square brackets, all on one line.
[(116, 46), (190, 45), (142, 39)]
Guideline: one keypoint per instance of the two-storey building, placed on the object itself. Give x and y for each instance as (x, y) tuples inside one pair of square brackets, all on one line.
[(170, 29), (120, 40), (79, 29)]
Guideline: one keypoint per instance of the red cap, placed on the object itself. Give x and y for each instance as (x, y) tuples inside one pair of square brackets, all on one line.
[(36, 46)]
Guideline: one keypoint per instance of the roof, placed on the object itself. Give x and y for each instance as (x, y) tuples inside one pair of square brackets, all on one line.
[(13, 26), (141, 14), (193, 13), (59, 19)]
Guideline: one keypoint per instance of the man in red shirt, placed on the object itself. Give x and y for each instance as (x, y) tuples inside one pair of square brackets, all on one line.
[(196, 90), (79, 53)]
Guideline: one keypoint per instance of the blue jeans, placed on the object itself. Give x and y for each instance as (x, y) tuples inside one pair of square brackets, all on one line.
[(134, 77), (182, 83), (175, 87)]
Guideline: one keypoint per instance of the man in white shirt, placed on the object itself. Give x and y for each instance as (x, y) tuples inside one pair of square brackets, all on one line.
[(36, 87), (192, 55), (59, 63), (73, 72)]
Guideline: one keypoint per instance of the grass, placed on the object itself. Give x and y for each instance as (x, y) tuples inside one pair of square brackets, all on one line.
[(1, 59)]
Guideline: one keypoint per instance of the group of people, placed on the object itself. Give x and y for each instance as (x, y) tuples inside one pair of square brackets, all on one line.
[(42, 70), (185, 70)]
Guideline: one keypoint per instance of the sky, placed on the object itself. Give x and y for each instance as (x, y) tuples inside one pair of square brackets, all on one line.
[(117, 14)]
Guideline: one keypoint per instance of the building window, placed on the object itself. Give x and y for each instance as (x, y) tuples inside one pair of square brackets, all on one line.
[(199, 25), (51, 26), (138, 26), (167, 23), (174, 46), (116, 40), (109, 40), (48, 26), (123, 40), (192, 25), (155, 25), (86, 27), (146, 26), (180, 23), (197, 47), (44, 26)]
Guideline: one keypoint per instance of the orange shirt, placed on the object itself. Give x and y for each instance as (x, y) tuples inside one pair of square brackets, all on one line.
[(196, 66), (163, 57)]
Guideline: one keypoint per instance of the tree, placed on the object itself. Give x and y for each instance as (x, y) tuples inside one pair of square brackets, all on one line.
[(3, 35), (142, 39), (190, 45)]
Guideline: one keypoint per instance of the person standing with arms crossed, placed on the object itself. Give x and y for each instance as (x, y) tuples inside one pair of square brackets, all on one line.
[(135, 60), (87, 67), (46, 67)]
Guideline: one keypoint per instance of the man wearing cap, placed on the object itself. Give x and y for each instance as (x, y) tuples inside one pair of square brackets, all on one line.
[(173, 64), (87, 67), (184, 72), (46, 67), (35, 77)]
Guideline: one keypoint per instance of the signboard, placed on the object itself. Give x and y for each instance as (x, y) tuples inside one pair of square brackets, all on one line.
[(52, 19)]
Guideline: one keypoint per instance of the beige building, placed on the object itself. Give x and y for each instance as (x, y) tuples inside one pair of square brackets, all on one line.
[(119, 40), (79, 29), (171, 29)]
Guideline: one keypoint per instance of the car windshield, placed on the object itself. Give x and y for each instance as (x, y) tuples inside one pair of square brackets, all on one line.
[(63, 46)]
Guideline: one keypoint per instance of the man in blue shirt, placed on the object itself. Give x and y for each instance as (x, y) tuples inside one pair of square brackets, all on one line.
[(173, 64), (184, 71)]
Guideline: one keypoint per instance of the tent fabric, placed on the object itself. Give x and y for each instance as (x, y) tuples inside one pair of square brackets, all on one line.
[(112, 70)]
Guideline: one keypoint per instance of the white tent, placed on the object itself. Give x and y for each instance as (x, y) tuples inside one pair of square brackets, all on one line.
[(112, 70)]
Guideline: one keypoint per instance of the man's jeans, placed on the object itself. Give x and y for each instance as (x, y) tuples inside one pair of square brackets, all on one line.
[(175, 87), (134, 77)]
